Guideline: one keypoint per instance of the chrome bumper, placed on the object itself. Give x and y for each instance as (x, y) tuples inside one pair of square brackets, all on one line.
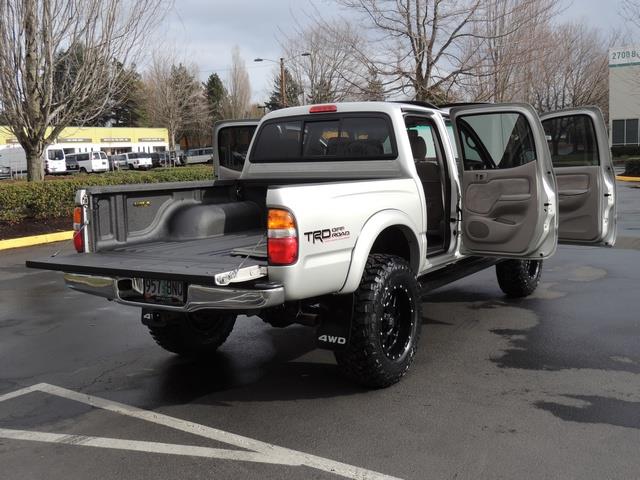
[(199, 297)]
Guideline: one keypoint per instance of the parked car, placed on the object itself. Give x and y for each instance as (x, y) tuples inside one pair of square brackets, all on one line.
[(90, 162), (5, 172), (343, 218), (160, 159), (199, 155), (133, 160), (71, 162)]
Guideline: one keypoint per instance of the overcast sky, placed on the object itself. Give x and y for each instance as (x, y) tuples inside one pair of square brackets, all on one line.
[(203, 32)]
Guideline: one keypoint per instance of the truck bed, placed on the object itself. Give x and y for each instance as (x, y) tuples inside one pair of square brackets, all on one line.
[(192, 260)]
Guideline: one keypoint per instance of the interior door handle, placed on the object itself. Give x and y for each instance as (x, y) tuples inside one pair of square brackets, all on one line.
[(480, 177)]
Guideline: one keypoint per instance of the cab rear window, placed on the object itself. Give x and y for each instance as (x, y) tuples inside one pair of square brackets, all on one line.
[(325, 138)]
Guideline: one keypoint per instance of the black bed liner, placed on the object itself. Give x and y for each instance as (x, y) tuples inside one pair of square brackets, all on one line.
[(192, 260)]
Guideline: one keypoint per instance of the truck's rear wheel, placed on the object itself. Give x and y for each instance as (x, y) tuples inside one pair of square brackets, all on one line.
[(386, 323), (519, 278), (194, 334)]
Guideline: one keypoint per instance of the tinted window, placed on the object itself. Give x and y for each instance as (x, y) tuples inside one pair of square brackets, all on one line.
[(336, 138), (233, 144), (496, 140), (617, 134), (83, 156), (572, 141), (631, 131)]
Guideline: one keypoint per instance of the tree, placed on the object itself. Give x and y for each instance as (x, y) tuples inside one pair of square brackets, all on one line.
[(215, 93), (575, 73), (293, 91), (176, 99), (237, 102), (422, 48), (508, 40), (374, 91), (128, 108), (84, 36), (334, 70)]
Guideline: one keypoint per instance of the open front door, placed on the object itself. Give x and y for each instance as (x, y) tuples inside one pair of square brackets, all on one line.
[(508, 188), (585, 176), (231, 140)]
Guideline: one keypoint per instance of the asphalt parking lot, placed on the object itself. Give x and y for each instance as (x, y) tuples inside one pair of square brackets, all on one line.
[(545, 387)]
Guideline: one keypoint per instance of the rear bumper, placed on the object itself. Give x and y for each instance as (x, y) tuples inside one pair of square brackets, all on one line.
[(199, 297)]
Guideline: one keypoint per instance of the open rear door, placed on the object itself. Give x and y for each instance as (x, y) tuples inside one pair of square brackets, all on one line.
[(231, 140), (585, 176), (508, 187)]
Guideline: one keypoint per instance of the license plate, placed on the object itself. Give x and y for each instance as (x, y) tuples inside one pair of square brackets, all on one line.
[(167, 292)]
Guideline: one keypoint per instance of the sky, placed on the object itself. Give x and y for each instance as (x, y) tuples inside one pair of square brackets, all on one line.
[(203, 32)]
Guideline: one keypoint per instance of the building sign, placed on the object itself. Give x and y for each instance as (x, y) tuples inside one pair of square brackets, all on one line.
[(74, 140), (151, 139), (115, 139), (619, 57)]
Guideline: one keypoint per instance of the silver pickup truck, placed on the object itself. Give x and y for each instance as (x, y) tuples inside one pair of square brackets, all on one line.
[(341, 217)]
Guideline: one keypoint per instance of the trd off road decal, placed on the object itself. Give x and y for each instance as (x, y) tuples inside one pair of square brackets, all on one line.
[(327, 235)]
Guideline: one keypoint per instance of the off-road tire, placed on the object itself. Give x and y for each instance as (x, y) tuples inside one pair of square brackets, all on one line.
[(519, 278), (368, 358), (194, 334)]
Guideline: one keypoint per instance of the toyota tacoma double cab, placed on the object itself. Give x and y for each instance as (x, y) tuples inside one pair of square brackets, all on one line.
[(341, 217)]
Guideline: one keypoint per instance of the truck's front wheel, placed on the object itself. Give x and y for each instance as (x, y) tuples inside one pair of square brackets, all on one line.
[(385, 328), (194, 334), (519, 278)]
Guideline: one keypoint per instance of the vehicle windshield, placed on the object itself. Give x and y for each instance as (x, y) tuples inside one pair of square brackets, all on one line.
[(325, 138)]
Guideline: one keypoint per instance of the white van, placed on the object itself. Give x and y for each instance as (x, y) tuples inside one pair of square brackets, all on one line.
[(16, 159), (90, 162), (199, 155)]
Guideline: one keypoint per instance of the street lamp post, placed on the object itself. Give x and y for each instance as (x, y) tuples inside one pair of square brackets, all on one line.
[(283, 79)]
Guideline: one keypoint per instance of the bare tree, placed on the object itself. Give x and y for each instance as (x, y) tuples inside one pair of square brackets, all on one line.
[(424, 48), (176, 99), (335, 68), (72, 44), (237, 101), (576, 71), (511, 36)]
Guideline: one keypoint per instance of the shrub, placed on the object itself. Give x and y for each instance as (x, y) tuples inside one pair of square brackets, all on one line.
[(632, 167), (54, 197)]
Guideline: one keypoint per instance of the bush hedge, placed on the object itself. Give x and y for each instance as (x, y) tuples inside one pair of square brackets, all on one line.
[(21, 200), (632, 167)]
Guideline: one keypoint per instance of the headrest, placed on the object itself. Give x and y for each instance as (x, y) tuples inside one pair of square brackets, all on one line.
[(419, 148)]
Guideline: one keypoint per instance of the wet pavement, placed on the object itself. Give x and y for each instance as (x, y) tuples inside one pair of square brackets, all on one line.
[(544, 387)]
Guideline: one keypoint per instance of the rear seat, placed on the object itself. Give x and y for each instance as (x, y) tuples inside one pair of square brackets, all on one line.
[(430, 176)]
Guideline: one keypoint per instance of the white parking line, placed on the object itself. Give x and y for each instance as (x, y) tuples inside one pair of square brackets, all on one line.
[(259, 451), (138, 446)]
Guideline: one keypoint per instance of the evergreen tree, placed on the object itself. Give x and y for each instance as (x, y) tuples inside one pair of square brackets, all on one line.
[(215, 93), (375, 89), (292, 92)]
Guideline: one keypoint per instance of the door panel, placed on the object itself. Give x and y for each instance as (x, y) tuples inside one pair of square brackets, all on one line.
[(579, 149), (508, 188), (231, 143), (499, 206)]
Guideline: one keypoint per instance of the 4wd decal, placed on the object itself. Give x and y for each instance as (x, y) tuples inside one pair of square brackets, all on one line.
[(327, 235)]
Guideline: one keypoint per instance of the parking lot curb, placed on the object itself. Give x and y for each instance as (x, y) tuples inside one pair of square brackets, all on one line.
[(622, 178), (35, 240)]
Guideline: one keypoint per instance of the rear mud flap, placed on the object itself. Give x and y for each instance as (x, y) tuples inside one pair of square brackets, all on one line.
[(334, 330)]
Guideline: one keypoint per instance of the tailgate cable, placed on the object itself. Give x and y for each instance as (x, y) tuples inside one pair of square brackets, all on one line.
[(234, 272)]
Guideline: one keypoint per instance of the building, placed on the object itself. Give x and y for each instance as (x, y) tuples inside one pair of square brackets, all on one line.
[(111, 140), (624, 99)]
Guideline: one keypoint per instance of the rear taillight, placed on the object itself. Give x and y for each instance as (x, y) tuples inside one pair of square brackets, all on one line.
[(78, 230), (282, 237)]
